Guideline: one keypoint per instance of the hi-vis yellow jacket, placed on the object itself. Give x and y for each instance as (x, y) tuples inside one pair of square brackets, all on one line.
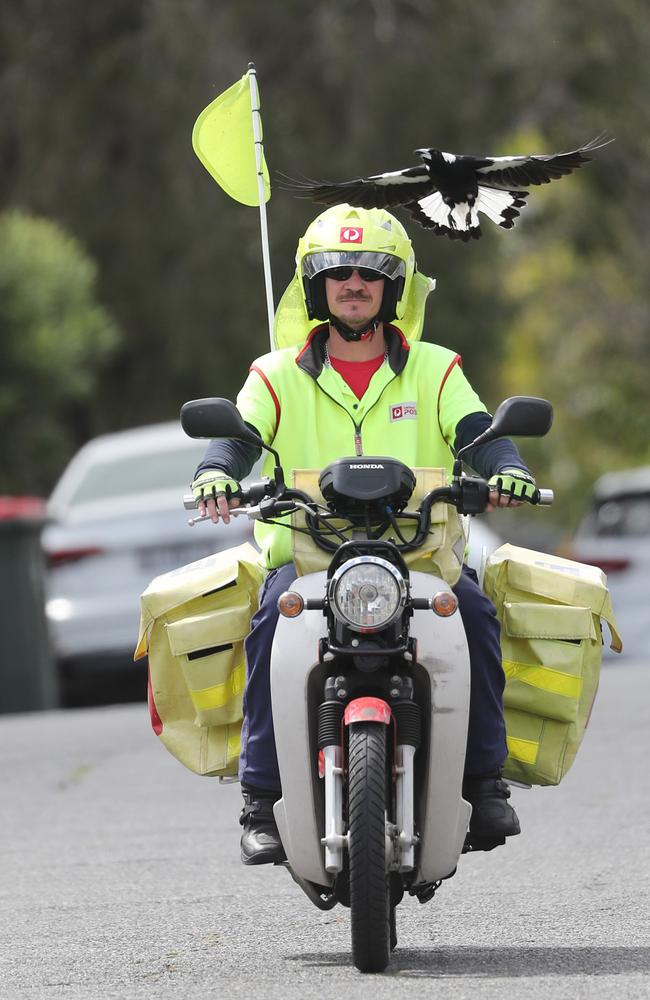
[(305, 409)]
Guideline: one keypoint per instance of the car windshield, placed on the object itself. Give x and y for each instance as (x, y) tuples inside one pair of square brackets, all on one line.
[(129, 475), (622, 516)]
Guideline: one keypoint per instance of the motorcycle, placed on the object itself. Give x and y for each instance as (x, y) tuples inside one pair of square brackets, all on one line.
[(370, 682)]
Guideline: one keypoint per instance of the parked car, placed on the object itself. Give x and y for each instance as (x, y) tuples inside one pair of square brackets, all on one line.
[(117, 522), (615, 535)]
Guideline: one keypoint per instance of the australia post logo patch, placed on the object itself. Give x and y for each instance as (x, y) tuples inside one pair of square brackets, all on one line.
[(403, 411), (351, 234)]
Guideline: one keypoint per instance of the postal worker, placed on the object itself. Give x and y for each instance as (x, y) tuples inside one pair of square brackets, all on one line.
[(357, 381)]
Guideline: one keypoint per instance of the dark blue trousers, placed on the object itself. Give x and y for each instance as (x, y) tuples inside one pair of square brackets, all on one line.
[(486, 740)]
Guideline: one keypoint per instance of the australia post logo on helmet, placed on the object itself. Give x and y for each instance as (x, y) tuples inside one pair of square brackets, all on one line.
[(351, 234)]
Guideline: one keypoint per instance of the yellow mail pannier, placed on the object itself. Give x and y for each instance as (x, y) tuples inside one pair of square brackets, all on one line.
[(193, 622), (550, 611), (442, 553)]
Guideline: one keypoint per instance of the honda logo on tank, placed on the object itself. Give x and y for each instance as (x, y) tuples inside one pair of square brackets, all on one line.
[(351, 235)]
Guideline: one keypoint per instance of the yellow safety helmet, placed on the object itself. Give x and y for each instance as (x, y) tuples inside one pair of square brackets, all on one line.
[(344, 236)]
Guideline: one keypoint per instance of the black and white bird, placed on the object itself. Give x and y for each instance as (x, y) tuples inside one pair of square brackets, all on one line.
[(447, 191)]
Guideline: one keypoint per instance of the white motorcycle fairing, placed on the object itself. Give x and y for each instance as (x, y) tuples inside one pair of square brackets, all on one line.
[(442, 679)]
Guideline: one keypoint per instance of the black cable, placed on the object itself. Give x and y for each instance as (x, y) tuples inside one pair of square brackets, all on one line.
[(395, 526)]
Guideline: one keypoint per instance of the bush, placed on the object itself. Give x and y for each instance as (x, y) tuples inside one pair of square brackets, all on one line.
[(54, 339)]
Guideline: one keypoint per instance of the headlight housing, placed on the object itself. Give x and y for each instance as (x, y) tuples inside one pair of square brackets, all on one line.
[(367, 593)]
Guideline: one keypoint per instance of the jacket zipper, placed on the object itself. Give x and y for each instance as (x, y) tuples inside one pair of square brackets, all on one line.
[(357, 436), (357, 427), (358, 442)]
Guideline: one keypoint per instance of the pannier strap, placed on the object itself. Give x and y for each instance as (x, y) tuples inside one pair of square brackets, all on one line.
[(523, 750), (544, 678), (220, 695)]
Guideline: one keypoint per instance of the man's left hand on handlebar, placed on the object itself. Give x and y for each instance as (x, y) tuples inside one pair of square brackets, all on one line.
[(214, 490), (510, 488)]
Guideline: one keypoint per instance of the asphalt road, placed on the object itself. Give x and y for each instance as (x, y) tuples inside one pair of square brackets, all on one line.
[(120, 877)]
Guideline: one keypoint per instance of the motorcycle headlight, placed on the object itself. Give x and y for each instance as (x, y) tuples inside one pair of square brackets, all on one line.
[(367, 593)]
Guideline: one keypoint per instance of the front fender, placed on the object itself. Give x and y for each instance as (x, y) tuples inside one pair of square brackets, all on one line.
[(367, 710)]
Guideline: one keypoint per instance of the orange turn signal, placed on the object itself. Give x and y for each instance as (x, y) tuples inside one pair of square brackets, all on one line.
[(290, 604), (444, 603)]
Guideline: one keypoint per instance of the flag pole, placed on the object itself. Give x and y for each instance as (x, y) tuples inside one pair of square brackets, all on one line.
[(264, 232)]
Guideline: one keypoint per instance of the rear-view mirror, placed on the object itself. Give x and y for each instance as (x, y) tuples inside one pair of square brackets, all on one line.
[(215, 418), (522, 416)]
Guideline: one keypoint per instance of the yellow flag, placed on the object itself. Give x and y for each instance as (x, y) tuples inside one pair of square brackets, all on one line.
[(224, 142)]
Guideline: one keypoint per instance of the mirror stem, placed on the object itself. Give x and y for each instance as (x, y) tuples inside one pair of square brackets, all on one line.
[(278, 476), (278, 471), (487, 435)]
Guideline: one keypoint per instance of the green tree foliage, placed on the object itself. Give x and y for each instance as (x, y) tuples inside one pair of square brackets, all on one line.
[(107, 94), (578, 335), (54, 340)]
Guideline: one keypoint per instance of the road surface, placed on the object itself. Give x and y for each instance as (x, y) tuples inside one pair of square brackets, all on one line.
[(120, 878)]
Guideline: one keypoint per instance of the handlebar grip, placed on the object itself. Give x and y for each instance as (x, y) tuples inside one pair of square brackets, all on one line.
[(251, 494), (191, 503), (544, 498), (284, 506)]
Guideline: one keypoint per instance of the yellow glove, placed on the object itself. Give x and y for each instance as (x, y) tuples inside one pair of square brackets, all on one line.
[(515, 483), (208, 484)]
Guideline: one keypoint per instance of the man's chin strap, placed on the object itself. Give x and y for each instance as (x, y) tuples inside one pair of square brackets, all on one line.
[(353, 335)]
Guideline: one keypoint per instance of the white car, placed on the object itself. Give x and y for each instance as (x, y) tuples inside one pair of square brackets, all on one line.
[(117, 521), (615, 535)]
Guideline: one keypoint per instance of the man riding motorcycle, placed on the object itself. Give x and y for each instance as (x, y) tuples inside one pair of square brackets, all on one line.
[(357, 386)]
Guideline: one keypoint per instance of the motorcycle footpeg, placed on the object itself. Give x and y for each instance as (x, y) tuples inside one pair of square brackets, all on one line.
[(320, 895), (473, 843), (425, 891)]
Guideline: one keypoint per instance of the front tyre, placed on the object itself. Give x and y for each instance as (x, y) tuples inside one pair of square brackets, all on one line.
[(369, 884)]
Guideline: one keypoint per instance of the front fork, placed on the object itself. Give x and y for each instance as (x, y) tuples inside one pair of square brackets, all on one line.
[(405, 806), (401, 837), (334, 839)]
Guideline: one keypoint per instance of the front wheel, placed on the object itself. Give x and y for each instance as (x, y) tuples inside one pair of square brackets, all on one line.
[(369, 883)]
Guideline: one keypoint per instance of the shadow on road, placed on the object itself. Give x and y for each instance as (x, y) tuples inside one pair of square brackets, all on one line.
[(500, 963)]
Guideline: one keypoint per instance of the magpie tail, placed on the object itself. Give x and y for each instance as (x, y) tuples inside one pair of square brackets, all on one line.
[(301, 187), (501, 206)]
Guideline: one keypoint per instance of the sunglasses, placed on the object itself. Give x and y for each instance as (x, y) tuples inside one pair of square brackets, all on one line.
[(343, 273)]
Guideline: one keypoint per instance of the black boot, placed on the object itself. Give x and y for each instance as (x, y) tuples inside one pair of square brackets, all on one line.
[(492, 815), (260, 842)]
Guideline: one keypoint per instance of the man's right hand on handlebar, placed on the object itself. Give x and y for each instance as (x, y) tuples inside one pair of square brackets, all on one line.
[(214, 492)]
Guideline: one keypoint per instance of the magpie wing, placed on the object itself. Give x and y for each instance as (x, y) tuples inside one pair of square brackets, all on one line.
[(378, 191), (536, 169)]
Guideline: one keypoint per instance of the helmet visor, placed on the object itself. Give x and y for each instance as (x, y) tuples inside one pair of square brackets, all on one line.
[(384, 264)]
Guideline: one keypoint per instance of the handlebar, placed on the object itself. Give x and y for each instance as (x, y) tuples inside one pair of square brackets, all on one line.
[(544, 498), (255, 505), (468, 495)]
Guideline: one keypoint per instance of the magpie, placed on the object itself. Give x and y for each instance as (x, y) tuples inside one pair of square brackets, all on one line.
[(447, 191)]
